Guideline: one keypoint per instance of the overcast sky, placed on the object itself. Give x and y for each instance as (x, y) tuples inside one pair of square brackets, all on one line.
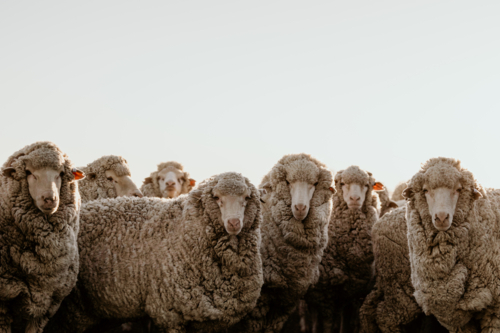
[(234, 85)]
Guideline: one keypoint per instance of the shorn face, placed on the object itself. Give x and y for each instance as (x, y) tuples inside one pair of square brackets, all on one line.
[(442, 202), (354, 194), (44, 187), (301, 193), (124, 186), (232, 210), (171, 181)]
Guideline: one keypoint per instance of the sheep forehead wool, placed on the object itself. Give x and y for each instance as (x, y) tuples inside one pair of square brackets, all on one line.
[(295, 167), (354, 175), (111, 162), (230, 183), (441, 172), (170, 165), (38, 155)]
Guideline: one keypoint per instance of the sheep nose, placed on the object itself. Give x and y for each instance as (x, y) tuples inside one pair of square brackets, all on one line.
[(442, 216), (137, 193), (354, 198), (49, 198), (170, 183), (234, 223), (301, 208)]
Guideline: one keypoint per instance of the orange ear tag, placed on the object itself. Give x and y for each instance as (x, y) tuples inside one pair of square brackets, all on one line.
[(332, 189), (78, 174), (378, 186), (192, 182)]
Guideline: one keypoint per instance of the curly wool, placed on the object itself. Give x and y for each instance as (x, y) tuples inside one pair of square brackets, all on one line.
[(95, 185), (455, 272), (38, 253), (151, 187), (390, 305), (291, 249), (397, 195), (171, 260), (346, 268)]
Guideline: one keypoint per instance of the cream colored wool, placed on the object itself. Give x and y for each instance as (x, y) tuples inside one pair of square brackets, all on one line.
[(346, 267), (455, 273), (38, 252), (151, 188), (390, 305), (95, 185), (291, 250), (171, 260), (397, 195)]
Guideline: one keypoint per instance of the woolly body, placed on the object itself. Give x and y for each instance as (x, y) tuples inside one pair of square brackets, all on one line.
[(291, 249), (171, 260), (38, 252), (390, 305), (96, 185), (455, 273), (346, 267), (151, 186)]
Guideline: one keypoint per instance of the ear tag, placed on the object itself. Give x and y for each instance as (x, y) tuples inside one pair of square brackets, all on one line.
[(78, 174), (378, 186), (192, 182), (332, 189)]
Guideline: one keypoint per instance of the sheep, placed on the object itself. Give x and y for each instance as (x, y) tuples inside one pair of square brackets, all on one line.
[(397, 195), (454, 248), (294, 235), (386, 204), (346, 268), (169, 181), (39, 222), (107, 177), (203, 274)]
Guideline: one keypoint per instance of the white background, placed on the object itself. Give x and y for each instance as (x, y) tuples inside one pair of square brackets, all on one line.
[(234, 85)]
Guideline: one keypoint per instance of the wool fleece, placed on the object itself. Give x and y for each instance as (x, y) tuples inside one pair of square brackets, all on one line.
[(38, 252), (168, 259), (455, 272), (291, 249), (346, 267)]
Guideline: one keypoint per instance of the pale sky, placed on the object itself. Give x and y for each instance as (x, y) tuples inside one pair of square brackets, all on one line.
[(234, 85)]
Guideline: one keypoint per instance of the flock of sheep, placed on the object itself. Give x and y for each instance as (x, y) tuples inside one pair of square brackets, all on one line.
[(82, 249)]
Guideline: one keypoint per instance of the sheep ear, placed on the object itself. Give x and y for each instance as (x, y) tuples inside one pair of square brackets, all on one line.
[(8, 172), (392, 204), (192, 182), (148, 180), (196, 194), (407, 193), (477, 194), (378, 186), (79, 174)]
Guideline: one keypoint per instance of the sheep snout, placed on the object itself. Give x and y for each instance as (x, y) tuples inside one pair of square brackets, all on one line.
[(301, 193)]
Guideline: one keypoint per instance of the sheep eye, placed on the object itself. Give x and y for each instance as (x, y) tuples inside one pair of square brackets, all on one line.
[(287, 182), (342, 184), (316, 184), (110, 179), (366, 185), (459, 190), (247, 198), (425, 191), (216, 198), (28, 173), (61, 174)]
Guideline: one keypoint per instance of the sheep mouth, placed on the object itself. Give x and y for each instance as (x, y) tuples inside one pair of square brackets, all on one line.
[(48, 210), (354, 206), (299, 217)]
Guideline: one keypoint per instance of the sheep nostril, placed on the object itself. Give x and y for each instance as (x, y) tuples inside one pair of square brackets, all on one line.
[(300, 207)]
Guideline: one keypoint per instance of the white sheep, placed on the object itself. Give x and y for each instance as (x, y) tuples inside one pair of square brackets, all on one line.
[(169, 181)]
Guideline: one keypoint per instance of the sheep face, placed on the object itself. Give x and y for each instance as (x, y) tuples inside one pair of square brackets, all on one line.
[(442, 202), (354, 194), (232, 208), (44, 187), (170, 181), (354, 185), (301, 193), (123, 185)]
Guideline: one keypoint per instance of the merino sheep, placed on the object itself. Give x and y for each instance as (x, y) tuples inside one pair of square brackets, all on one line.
[(346, 268), (107, 177), (397, 195), (39, 222), (454, 246), (386, 204), (203, 274), (169, 181), (294, 235)]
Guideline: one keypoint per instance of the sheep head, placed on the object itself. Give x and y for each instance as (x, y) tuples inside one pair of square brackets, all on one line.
[(354, 184), (43, 167), (438, 188), (123, 184), (171, 180)]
